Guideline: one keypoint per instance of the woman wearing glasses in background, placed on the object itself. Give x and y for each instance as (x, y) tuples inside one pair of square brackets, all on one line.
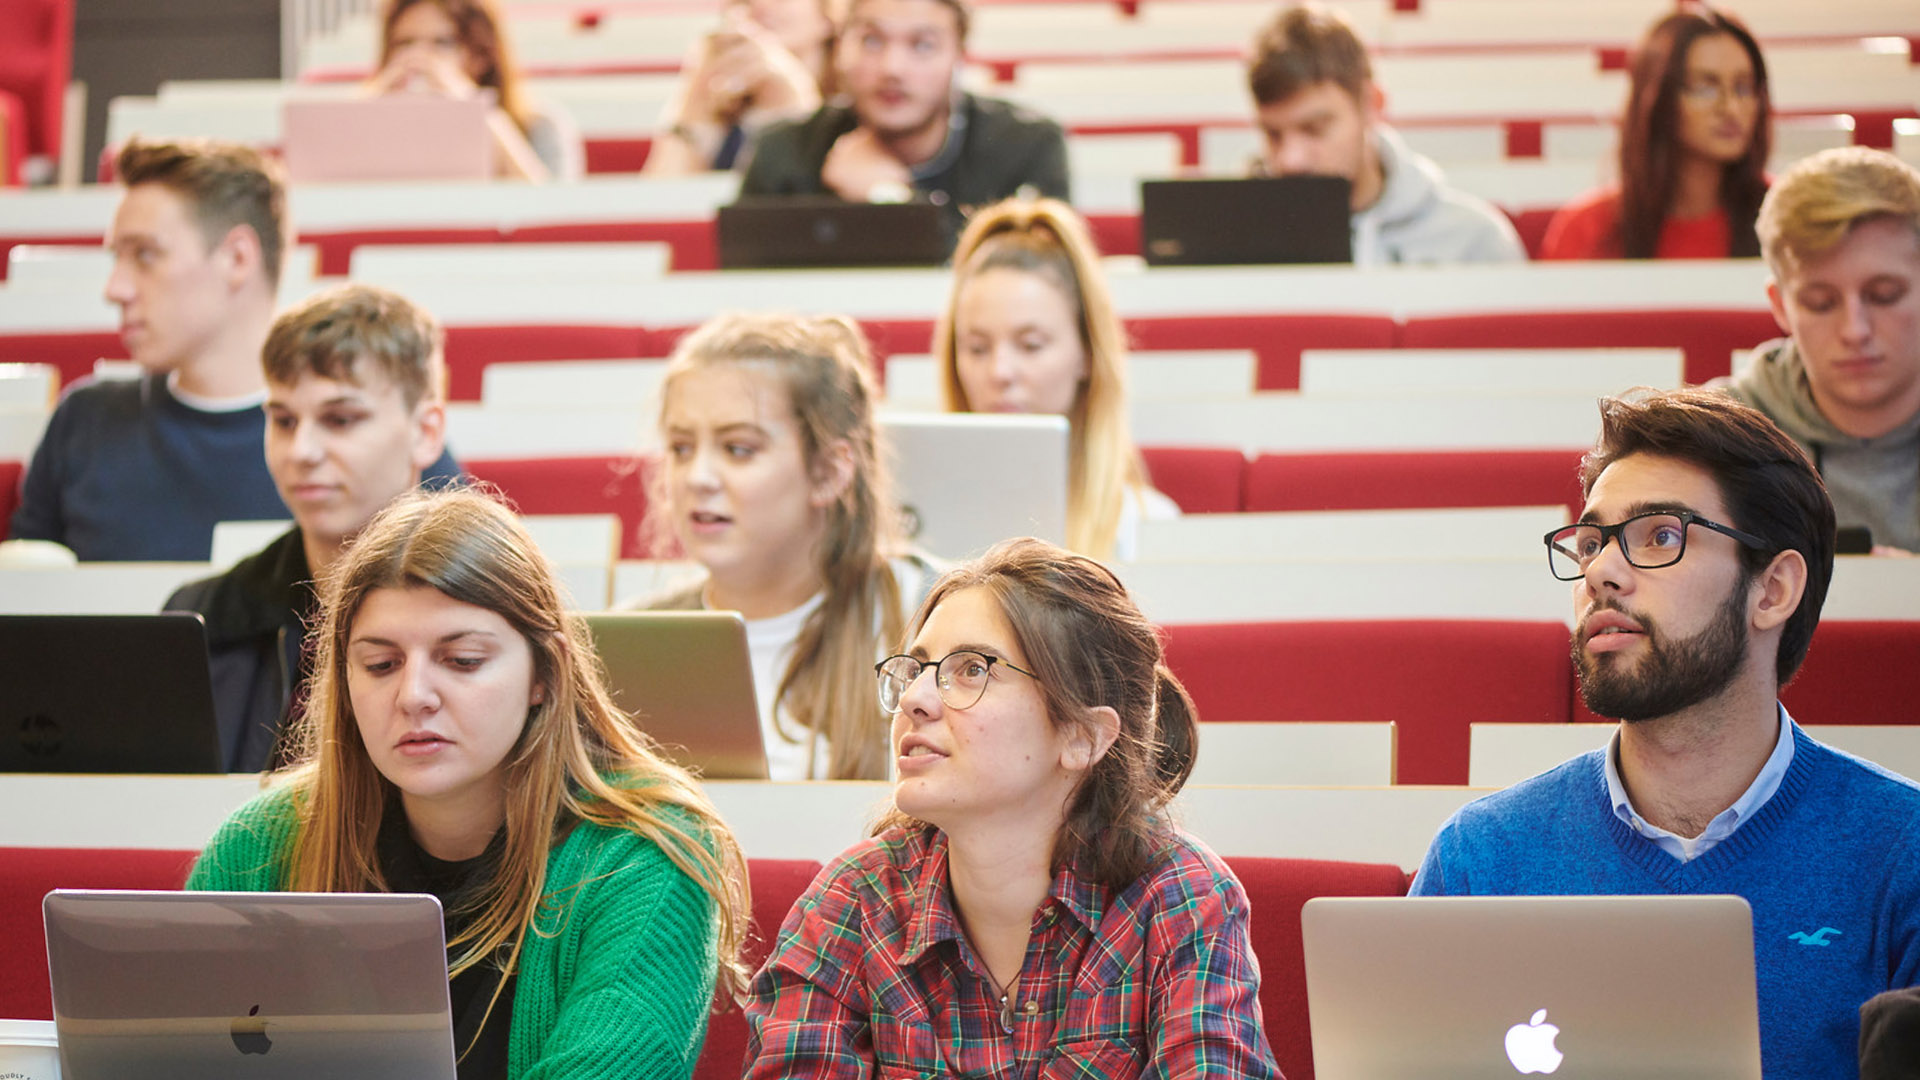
[(1693, 150), (1026, 908)]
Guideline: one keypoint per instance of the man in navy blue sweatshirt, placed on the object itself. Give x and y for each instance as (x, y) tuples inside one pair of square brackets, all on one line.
[(1699, 567)]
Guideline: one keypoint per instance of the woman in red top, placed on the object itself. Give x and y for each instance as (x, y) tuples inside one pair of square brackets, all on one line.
[(1693, 150)]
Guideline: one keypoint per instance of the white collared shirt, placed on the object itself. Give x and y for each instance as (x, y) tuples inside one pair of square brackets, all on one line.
[(1724, 823)]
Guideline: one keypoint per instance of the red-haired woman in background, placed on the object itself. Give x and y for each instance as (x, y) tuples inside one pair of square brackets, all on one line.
[(1693, 150)]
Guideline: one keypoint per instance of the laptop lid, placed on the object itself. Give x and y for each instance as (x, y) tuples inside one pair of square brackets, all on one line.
[(686, 676), (394, 137), (966, 481), (1582, 987), (1267, 219), (792, 231), (261, 986), (106, 694)]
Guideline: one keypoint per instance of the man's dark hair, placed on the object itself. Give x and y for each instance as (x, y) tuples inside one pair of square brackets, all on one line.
[(226, 184), (1770, 487), (1303, 46), (962, 15)]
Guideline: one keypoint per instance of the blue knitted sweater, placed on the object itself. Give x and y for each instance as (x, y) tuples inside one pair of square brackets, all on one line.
[(1834, 849)]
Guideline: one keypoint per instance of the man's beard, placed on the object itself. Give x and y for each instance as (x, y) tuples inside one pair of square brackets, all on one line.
[(1673, 675)]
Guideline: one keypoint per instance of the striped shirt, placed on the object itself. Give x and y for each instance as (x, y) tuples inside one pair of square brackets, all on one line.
[(872, 976)]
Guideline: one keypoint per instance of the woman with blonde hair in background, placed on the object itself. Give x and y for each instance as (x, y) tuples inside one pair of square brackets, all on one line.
[(774, 480), (458, 739), (458, 48), (1030, 328)]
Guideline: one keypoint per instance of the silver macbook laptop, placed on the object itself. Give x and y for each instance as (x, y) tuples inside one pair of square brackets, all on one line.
[(261, 986), (966, 481), (686, 676), (395, 137), (1581, 988)]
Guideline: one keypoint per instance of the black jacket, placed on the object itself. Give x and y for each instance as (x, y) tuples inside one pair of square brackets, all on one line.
[(256, 615), (996, 150)]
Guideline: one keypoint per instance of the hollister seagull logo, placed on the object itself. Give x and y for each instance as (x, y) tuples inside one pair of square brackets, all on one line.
[(1818, 937), (250, 1033), (1530, 1045)]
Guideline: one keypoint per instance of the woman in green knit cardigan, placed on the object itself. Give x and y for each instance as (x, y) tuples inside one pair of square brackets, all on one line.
[(458, 739)]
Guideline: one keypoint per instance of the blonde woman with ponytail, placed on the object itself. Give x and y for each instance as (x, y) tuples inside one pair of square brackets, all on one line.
[(1030, 328), (773, 479), (458, 739), (1028, 908)]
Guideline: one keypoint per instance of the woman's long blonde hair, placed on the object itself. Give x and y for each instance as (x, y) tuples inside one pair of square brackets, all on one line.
[(483, 34), (824, 366), (578, 759), (1045, 237)]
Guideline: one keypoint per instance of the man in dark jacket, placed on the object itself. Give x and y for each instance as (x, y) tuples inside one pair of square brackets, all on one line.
[(353, 417), (905, 129)]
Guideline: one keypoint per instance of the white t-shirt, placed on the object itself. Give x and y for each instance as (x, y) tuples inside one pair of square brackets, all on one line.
[(770, 644), (1141, 504)]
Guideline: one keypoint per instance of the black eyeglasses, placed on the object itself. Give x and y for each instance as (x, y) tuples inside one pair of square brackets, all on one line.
[(961, 675), (1649, 541)]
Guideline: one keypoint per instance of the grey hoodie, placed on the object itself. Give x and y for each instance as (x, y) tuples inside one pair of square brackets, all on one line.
[(1874, 482), (1419, 219)]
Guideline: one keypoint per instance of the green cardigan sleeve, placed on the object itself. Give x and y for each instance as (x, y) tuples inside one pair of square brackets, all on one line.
[(249, 852), (618, 972)]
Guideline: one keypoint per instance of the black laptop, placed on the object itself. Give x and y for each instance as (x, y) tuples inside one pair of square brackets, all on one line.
[(793, 231), (1277, 219), (106, 694)]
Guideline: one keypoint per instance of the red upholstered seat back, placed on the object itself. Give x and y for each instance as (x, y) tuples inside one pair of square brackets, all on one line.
[(575, 485), (471, 348), (1276, 888), (1413, 481), (1203, 480), (1709, 337), (1276, 340), (1857, 672), (72, 353), (777, 883), (36, 59), (12, 474), (28, 874), (1433, 678)]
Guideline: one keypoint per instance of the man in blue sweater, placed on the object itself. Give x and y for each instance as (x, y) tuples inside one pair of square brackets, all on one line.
[(1699, 567)]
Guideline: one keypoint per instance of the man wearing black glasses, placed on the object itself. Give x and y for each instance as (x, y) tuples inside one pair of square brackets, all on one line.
[(1698, 569)]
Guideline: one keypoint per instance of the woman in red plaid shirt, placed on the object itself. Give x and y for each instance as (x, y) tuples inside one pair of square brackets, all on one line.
[(1026, 910)]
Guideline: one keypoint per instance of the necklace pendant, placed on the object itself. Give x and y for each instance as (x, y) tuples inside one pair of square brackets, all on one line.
[(1006, 1013)]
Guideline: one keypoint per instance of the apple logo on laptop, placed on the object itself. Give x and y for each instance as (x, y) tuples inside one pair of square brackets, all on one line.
[(1530, 1045), (250, 1033)]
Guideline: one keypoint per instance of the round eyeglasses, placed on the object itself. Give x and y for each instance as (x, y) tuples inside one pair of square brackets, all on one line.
[(961, 675), (1649, 541)]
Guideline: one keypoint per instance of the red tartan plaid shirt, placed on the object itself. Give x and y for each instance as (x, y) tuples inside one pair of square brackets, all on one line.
[(872, 976)]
